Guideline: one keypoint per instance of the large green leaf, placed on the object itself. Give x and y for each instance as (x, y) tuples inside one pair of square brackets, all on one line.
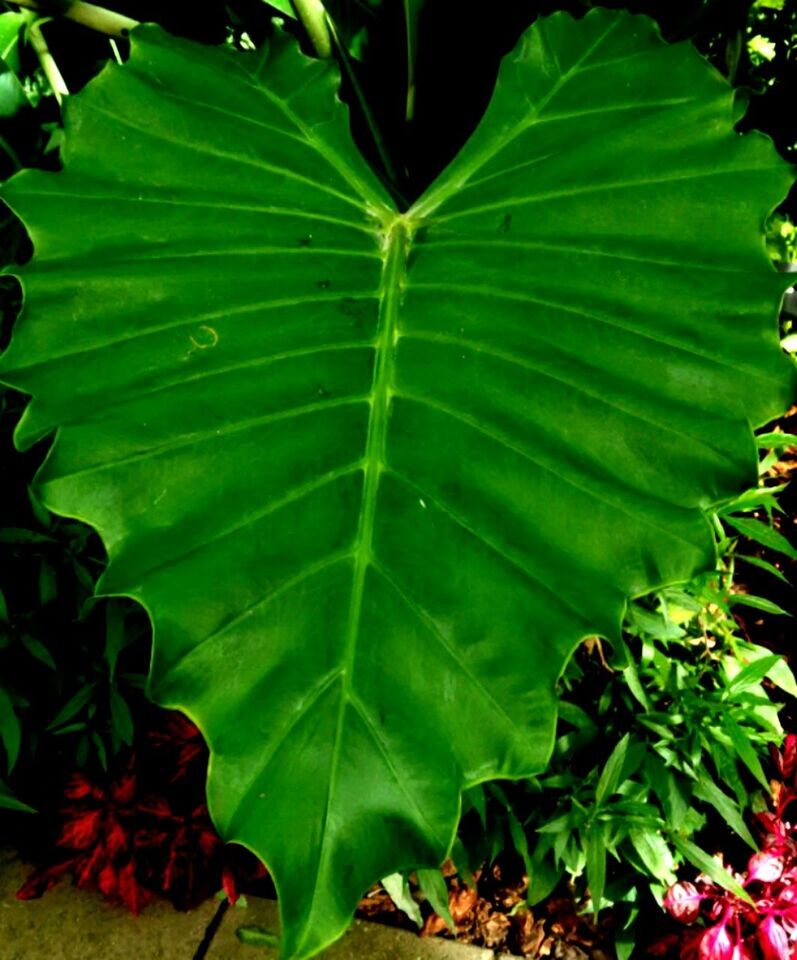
[(375, 474)]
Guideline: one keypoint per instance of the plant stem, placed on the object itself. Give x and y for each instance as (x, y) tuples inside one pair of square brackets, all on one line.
[(49, 65), (390, 176), (314, 20), (91, 16), (11, 153)]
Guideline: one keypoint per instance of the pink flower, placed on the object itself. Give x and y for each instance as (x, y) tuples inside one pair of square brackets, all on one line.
[(764, 867), (682, 902), (716, 944), (773, 940), (740, 952)]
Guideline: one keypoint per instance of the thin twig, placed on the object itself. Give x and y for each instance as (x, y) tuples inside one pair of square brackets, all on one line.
[(50, 67), (89, 15)]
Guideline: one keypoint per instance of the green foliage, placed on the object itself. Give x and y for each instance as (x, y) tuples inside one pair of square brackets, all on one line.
[(61, 681), (64, 691), (655, 747), (519, 394), (782, 239)]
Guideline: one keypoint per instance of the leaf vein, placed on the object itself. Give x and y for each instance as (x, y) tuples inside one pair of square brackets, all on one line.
[(521, 451), (208, 436), (431, 627), (379, 743), (273, 506), (596, 318), (490, 544)]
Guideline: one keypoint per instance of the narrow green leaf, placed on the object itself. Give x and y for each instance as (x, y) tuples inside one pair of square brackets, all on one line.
[(412, 13), (541, 873), (667, 788), (596, 864), (433, 886), (71, 728), (72, 707), (465, 862), (99, 746), (705, 789), (765, 535), (763, 565), (745, 749), (710, 866), (776, 441), (758, 603), (626, 938), (10, 730), (115, 637), (258, 936), (121, 718), (9, 802), (755, 498), (38, 650), (631, 677), (654, 852), (576, 716), (611, 777), (782, 676), (753, 673), (544, 877), (283, 6), (398, 889)]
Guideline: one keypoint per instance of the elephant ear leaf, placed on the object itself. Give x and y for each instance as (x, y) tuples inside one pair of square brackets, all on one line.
[(374, 474)]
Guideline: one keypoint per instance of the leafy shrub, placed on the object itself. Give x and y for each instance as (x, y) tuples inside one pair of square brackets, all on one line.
[(760, 920), (659, 742), (146, 830), (69, 664)]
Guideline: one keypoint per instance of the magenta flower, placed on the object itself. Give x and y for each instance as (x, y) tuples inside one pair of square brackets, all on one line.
[(682, 902)]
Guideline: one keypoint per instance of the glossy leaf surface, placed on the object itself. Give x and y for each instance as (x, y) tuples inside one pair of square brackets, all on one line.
[(375, 474)]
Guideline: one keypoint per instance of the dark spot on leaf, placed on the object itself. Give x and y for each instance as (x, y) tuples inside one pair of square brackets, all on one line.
[(323, 284), (451, 491), (364, 313), (322, 392), (506, 223), (306, 241)]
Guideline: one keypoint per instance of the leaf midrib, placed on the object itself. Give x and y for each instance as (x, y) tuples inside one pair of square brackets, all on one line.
[(396, 238), (394, 251)]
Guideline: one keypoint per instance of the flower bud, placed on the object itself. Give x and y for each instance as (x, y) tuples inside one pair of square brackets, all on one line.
[(682, 902)]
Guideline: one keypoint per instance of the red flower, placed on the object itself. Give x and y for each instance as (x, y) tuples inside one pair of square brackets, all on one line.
[(81, 832), (127, 840)]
